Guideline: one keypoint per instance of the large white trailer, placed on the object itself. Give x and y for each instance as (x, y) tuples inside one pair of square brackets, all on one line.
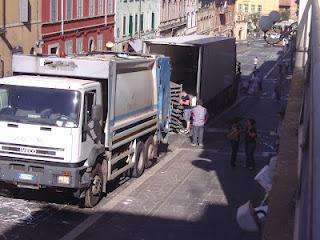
[(75, 123), (204, 66)]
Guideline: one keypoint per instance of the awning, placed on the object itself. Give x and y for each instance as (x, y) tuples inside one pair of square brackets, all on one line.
[(136, 44)]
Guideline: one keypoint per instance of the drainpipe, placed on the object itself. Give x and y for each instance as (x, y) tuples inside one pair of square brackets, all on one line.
[(4, 16), (105, 13), (62, 17)]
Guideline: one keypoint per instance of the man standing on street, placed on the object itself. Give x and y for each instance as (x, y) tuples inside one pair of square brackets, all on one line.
[(200, 117), (255, 62), (185, 102), (250, 142), (234, 138)]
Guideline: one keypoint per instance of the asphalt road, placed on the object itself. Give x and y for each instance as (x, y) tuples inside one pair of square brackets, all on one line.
[(189, 194)]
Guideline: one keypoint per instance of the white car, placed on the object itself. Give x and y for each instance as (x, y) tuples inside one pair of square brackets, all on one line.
[(275, 35)]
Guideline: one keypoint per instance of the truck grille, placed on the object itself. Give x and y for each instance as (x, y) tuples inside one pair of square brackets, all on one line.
[(32, 151)]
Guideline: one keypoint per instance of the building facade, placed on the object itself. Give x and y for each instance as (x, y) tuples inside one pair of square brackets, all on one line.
[(191, 12), (76, 26), (216, 18), (248, 10), (136, 20), (172, 18), (290, 6), (20, 30)]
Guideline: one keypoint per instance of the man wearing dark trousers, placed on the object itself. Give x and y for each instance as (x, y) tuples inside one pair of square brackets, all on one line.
[(250, 142)]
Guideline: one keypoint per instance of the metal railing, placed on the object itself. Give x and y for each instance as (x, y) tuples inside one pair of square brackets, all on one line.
[(308, 57)]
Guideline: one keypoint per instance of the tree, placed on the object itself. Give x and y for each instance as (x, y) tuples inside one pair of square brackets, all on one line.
[(285, 15)]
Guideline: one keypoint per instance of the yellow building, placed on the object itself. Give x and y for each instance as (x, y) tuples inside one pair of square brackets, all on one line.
[(244, 8), (20, 30)]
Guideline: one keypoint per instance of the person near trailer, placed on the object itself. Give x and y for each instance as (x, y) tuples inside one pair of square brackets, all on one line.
[(186, 103), (199, 118), (250, 142), (234, 138)]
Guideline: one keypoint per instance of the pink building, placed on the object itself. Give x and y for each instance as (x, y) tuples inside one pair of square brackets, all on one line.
[(76, 26)]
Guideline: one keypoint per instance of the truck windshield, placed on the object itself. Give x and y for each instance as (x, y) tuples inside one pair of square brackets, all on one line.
[(34, 105)]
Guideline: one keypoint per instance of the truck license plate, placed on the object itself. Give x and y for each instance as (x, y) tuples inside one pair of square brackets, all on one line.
[(24, 176)]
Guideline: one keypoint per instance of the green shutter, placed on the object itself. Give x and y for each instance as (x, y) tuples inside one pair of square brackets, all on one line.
[(152, 21), (141, 22), (130, 25), (136, 23)]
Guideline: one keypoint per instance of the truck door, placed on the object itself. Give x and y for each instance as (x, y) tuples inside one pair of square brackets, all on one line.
[(164, 95), (88, 137)]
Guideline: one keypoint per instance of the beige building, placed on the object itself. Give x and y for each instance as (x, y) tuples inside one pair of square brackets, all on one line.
[(172, 18), (20, 30), (291, 6), (216, 18), (246, 8)]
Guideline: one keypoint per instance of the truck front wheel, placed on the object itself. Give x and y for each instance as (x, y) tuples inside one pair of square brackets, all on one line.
[(139, 164), (150, 151), (94, 192)]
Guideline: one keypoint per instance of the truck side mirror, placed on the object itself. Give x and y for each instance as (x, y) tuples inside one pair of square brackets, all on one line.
[(96, 113)]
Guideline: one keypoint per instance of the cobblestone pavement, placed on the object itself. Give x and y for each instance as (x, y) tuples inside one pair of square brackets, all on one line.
[(191, 193)]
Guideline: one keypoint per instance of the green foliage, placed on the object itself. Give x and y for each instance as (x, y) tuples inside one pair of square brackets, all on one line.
[(285, 15), (253, 20)]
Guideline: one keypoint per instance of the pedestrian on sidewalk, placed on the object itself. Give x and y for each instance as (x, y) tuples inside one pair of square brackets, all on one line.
[(250, 142), (255, 62), (253, 85), (234, 138), (186, 103), (200, 117), (259, 79)]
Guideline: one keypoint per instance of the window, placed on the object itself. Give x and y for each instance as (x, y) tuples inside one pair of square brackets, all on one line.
[(69, 10), (100, 7), (53, 49), (24, 11), (124, 25), (68, 47), (141, 22), (240, 8), (91, 8), (246, 8), (130, 25), (136, 23), (100, 42), (253, 8), (110, 6), (80, 9), (152, 21), (89, 102), (79, 43), (259, 8), (54, 11), (91, 45)]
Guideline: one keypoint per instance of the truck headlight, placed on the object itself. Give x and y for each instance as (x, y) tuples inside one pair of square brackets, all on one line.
[(64, 180)]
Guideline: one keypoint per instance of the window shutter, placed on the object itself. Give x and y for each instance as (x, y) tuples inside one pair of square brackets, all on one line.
[(24, 11)]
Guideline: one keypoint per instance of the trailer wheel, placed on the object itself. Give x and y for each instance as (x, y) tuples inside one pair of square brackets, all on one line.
[(139, 164), (94, 192), (150, 149)]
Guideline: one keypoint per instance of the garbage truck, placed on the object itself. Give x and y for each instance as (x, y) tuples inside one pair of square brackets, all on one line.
[(73, 124)]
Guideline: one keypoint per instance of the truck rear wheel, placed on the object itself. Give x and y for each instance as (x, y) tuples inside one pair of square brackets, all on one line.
[(139, 164), (94, 192), (150, 151)]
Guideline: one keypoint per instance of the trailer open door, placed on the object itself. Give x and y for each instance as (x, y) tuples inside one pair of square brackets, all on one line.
[(163, 73)]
